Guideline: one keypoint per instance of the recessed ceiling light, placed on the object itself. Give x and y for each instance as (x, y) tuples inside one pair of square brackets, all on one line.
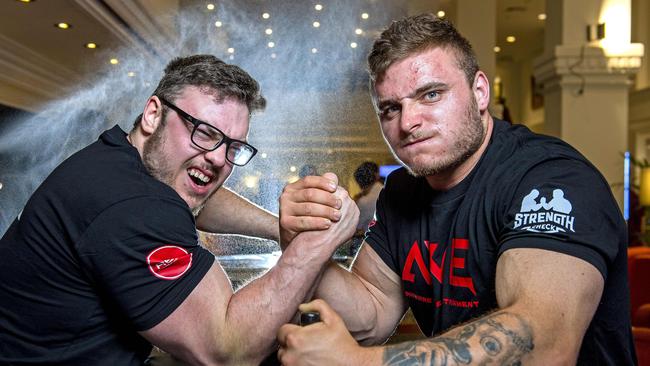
[(268, 31), (231, 50), (358, 31), (316, 24), (62, 25), (114, 61), (264, 155), (364, 16), (353, 44), (318, 7), (131, 74), (91, 45), (25, 1), (210, 6), (271, 44), (541, 16), (497, 49), (511, 39), (441, 14), (266, 15), (314, 50), (218, 24), (292, 168)]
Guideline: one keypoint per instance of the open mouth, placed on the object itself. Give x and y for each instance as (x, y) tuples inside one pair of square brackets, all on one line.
[(198, 178)]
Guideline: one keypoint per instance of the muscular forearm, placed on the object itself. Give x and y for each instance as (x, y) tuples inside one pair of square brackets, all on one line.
[(228, 213), (352, 300), (500, 338), (256, 312)]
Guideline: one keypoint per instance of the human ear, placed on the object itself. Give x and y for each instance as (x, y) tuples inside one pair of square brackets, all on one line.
[(481, 90), (152, 115)]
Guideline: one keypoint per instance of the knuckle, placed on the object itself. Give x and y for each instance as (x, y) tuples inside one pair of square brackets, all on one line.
[(303, 223), (292, 341)]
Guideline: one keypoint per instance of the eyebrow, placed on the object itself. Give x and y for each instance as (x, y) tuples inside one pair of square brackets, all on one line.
[(418, 91)]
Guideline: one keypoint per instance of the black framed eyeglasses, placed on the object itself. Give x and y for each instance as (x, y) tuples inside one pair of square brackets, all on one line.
[(209, 138)]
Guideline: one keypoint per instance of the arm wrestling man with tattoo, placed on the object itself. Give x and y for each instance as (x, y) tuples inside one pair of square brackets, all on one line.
[(507, 246)]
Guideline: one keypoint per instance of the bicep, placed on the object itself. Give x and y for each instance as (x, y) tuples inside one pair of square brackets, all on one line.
[(195, 330), (557, 293), (385, 288)]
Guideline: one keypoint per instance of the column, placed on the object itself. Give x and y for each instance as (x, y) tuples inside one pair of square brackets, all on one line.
[(585, 83)]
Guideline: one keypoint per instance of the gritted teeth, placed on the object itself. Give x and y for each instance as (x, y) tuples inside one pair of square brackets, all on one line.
[(199, 176)]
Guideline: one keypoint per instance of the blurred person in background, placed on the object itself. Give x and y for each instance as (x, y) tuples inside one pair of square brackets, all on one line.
[(368, 179)]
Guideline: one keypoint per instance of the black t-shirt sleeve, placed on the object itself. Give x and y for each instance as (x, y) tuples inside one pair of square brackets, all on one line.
[(565, 206), (143, 256)]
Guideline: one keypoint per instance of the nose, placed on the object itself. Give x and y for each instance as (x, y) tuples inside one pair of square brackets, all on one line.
[(216, 157), (410, 117)]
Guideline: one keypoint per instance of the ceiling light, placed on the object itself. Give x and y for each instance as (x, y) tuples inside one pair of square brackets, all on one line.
[(91, 45), (441, 14), (24, 1), (131, 74), (273, 55), (62, 25), (0, 185), (358, 31), (292, 168), (364, 16), (251, 181), (210, 6), (114, 61), (271, 44), (268, 31), (231, 57), (497, 49), (264, 155), (541, 16), (353, 44), (511, 39), (314, 50), (318, 7), (218, 24), (266, 15), (316, 24), (231, 50)]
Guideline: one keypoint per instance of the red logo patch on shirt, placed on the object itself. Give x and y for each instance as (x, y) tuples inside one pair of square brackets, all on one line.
[(169, 262)]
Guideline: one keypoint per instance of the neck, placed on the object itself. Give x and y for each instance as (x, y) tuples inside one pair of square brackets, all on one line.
[(449, 179)]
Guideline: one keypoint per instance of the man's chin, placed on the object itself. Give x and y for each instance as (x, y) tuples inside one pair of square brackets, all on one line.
[(431, 168)]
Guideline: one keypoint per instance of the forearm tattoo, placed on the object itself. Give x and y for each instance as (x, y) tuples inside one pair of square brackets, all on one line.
[(500, 338)]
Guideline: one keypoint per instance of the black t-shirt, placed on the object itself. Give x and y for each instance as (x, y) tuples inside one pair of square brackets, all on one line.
[(102, 250), (527, 191)]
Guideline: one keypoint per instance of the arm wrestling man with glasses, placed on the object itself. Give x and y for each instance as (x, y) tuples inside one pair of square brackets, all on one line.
[(103, 262)]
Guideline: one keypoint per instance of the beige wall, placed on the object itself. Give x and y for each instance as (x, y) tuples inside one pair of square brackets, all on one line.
[(641, 34)]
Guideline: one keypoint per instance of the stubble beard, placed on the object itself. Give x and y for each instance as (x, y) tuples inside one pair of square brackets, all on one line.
[(466, 143), (156, 162)]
